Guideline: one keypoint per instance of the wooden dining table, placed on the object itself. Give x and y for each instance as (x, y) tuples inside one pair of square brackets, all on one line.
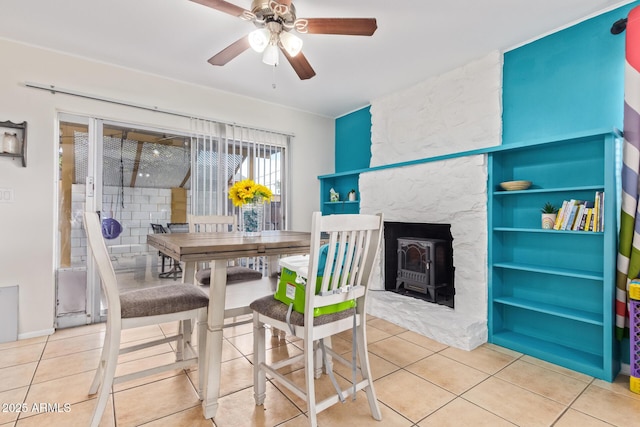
[(218, 249)]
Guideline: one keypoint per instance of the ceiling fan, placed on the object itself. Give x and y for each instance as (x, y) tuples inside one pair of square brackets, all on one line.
[(276, 20)]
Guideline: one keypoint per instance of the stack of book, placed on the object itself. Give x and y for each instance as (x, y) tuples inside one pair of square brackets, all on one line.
[(581, 215)]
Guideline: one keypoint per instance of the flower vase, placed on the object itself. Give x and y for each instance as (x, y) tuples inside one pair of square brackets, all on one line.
[(252, 219)]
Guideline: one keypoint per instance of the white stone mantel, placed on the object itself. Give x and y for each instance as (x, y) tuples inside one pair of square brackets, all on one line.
[(457, 112), (429, 195)]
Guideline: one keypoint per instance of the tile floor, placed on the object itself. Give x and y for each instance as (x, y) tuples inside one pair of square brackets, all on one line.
[(419, 382)]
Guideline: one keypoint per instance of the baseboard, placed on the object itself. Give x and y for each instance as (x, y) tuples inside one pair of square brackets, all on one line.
[(625, 369), (34, 334)]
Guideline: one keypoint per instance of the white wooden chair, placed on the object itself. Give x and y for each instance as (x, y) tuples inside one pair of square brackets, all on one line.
[(355, 240), (142, 307), (220, 224)]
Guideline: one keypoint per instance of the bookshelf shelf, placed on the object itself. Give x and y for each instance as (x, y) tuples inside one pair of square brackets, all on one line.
[(584, 274), (551, 292), (540, 230), (591, 188), (569, 313), (341, 183), (588, 363), (347, 202)]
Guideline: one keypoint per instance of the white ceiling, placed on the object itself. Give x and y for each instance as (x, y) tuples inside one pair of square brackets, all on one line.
[(415, 40)]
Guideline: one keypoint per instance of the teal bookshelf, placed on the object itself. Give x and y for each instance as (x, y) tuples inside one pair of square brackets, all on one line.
[(341, 183), (551, 292)]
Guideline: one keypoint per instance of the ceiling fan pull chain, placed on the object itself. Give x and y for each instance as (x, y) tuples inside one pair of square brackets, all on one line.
[(273, 77)]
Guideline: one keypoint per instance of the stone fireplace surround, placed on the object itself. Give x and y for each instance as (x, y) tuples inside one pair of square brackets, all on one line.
[(455, 112), (465, 326)]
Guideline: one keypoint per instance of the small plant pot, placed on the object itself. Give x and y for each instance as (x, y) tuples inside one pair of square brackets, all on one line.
[(548, 220)]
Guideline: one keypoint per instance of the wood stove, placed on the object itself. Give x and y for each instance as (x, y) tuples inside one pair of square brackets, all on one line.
[(418, 261), (422, 265)]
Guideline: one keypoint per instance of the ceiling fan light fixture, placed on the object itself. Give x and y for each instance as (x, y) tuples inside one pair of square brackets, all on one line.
[(276, 21), (259, 39), (290, 43), (270, 55)]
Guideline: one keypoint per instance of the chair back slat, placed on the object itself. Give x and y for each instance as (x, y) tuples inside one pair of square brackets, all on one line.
[(221, 224), (102, 259), (212, 223), (352, 244)]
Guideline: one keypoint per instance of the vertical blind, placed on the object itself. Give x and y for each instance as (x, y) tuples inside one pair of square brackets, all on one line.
[(223, 154)]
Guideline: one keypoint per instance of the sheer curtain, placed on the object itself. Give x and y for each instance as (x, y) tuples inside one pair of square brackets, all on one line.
[(223, 153)]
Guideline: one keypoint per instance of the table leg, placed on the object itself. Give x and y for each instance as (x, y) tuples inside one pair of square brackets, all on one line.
[(273, 265), (273, 268), (188, 272), (215, 322)]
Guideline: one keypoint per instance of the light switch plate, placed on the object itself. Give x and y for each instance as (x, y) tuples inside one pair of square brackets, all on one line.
[(6, 195)]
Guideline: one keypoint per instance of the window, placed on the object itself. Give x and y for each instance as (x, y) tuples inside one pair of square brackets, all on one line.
[(224, 154)]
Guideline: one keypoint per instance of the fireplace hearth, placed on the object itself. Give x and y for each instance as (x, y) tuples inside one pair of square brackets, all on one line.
[(419, 261)]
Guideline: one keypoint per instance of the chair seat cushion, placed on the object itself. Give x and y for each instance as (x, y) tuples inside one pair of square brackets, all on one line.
[(234, 274), (274, 309), (159, 300)]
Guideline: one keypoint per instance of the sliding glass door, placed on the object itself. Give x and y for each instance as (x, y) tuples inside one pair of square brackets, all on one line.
[(75, 286), (133, 177)]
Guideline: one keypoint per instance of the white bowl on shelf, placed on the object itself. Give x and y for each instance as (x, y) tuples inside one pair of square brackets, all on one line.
[(515, 185)]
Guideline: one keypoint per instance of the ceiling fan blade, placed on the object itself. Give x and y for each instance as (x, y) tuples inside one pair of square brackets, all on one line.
[(222, 6), (230, 52), (300, 65), (344, 26)]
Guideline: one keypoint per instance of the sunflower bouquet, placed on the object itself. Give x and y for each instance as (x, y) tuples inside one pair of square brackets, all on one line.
[(247, 191)]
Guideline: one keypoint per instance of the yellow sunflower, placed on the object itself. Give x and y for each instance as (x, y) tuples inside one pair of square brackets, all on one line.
[(247, 191)]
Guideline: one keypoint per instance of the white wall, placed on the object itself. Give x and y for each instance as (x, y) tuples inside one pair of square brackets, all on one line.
[(455, 112), (28, 226)]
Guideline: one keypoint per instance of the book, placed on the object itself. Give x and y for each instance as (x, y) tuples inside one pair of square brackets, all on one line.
[(560, 215), (578, 219), (575, 222), (601, 217), (596, 213), (569, 215), (583, 221), (572, 216), (566, 214), (589, 223)]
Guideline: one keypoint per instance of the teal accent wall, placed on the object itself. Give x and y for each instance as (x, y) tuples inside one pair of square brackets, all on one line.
[(567, 82), (353, 141)]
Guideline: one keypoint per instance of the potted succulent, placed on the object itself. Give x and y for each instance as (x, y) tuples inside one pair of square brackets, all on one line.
[(549, 213), (352, 195)]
